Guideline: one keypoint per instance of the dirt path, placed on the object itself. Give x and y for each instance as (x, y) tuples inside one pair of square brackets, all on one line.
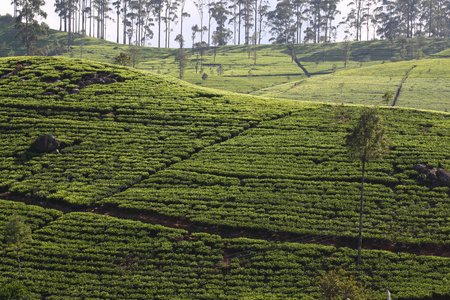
[(156, 218), (397, 94)]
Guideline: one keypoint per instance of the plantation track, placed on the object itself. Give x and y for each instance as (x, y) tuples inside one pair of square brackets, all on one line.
[(155, 218), (397, 94)]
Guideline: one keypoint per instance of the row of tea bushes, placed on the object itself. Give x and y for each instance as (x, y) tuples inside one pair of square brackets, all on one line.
[(94, 256)]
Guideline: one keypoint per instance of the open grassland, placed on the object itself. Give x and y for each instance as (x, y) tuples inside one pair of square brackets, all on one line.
[(426, 87), (149, 145)]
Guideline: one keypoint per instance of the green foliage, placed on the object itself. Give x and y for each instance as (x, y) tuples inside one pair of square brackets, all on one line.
[(336, 285), (367, 142), (388, 97), (136, 54), (27, 24), (14, 291), (122, 59), (17, 235), (181, 57)]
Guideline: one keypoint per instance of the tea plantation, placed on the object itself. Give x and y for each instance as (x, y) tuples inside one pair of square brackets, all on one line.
[(164, 190)]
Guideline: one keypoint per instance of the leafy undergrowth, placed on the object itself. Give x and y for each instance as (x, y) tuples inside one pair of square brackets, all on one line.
[(150, 143)]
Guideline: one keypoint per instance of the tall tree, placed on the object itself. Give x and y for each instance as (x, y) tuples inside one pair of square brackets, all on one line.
[(366, 142), (282, 22), (355, 17), (263, 10), (201, 5), (170, 15), (220, 12), (17, 235), (117, 4), (27, 24), (183, 15)]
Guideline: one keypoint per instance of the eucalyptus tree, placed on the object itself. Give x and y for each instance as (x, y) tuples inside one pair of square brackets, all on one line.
[(183, 14), (282, 23), (298, 8), (220, 13), (261, 13), (330, 10), (148, 22), (315, 21), (139, 16), (102, 8), (389, 21), (66, 11), (61, 8), (170, 16), (200, 5), (125, 21), (443, 18), (236, 21), (27, 23), (210, 4), (158, 7), (117, 5), (354, 18), (409, 11), (246, 12)]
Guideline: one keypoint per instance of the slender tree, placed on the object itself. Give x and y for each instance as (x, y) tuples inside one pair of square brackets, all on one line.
[(220, 12), (17, 235), (366, 142), (263, 10), (181, 57), (117, 4), (27, 24), (282, 23), (201, 5), (183, 15), (346, 45)]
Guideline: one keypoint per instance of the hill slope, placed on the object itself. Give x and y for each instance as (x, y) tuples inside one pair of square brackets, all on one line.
[(221, 169), (270, 70), (421, 84)]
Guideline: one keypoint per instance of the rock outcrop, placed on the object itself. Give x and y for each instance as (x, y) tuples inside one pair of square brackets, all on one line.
[(437, 177), (46, 144)]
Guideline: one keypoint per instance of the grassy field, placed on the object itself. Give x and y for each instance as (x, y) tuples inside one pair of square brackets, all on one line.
[(163, 189), (427, 85)]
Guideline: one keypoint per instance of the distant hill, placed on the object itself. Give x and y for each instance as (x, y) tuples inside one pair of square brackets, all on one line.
[(260, 70)]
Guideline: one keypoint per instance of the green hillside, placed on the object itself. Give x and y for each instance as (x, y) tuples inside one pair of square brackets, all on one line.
[(374, 67), (166, 190), (425, 87)]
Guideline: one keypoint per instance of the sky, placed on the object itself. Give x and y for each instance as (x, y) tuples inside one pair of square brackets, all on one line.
[(53, 21)]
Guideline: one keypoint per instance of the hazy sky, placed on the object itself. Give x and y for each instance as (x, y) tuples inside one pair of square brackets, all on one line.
[(53, 21)]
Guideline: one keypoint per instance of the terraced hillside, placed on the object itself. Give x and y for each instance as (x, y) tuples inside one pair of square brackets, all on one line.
[(165, 190)]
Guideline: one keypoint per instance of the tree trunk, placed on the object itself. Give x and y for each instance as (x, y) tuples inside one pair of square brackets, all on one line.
[(18, 261), (361, 209), (294, 57)]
